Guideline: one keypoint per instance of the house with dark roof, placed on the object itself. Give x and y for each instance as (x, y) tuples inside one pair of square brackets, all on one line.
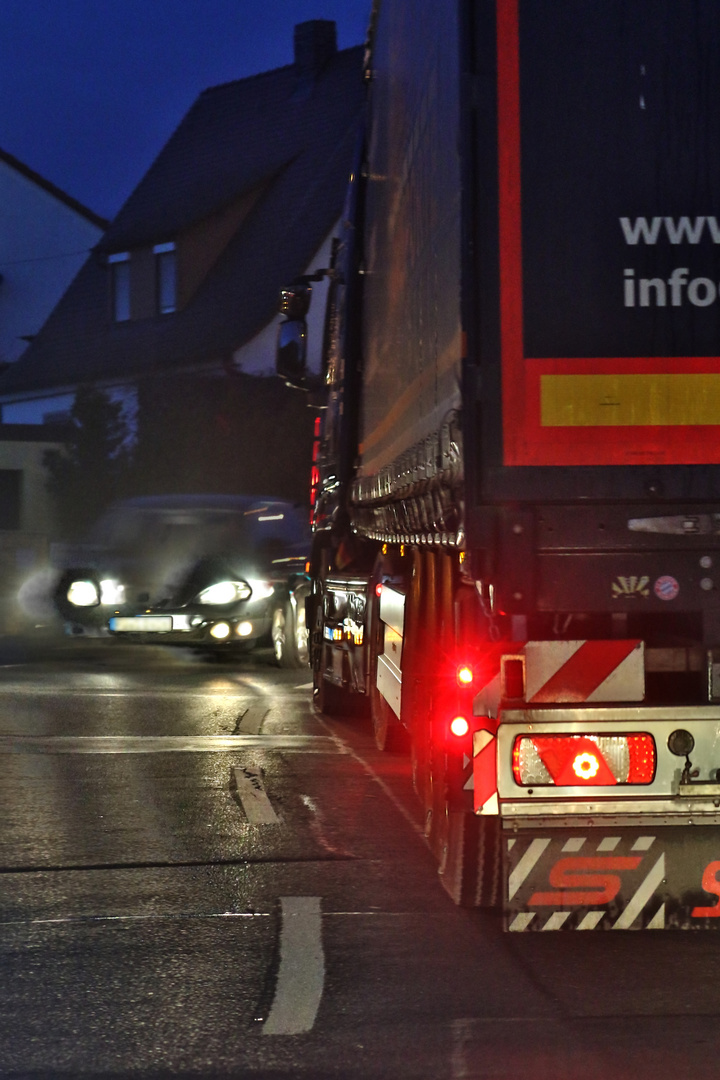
[(176, 308), (45, 237)]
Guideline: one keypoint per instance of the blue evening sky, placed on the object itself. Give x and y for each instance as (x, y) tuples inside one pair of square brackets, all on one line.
[(90, 90)]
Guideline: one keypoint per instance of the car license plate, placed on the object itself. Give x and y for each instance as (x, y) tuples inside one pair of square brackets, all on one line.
[(141, 624)]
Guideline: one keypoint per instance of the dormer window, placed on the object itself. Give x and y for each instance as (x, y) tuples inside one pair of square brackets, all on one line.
[(120, 277), (165, 277)]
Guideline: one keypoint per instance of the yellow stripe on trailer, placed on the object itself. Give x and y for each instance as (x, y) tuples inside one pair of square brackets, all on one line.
[(662, 399)]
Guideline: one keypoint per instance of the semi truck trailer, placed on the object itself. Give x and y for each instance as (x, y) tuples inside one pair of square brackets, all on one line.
[(516, 472)]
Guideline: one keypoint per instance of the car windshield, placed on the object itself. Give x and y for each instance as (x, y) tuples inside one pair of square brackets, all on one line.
[(267, 531)]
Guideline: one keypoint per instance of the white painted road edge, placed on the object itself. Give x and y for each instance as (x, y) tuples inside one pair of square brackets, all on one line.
[(301, 975)]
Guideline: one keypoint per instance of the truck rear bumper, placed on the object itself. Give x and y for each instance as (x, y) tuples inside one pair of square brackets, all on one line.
[(649, 878)]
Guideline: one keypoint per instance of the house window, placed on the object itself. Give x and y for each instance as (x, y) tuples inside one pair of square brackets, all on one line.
[(166, 277), (120, 276)]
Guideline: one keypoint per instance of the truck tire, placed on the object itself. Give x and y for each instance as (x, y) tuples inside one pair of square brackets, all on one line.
[(417, 641), (289, 635), (466, 847), (329, 699)]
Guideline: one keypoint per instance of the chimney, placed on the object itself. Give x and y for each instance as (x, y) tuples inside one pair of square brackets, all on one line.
[(315, 44)]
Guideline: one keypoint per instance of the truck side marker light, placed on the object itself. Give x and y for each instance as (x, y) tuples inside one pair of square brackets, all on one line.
[(465, 675), (680, 742), (379, 589), (459, 726)]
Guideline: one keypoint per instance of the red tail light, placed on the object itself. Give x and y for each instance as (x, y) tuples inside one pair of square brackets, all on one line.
[(459, 726), (583, 760), (465, 675)]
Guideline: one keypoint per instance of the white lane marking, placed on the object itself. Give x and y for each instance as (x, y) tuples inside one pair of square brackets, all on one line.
[(252, 795), (301, 976), (14, 689), (252, 720), (317, 828), (305, 686), (525, 865), (641, 897), (152, 744), (194, 915)]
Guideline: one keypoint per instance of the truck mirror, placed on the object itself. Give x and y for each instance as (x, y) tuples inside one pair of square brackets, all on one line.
[(290, 360)]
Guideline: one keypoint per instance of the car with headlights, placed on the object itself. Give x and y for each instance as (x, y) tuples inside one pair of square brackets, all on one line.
[(217, 572)]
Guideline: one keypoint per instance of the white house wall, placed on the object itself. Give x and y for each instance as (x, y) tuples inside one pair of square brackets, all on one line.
[(36, 505), (43, 244)]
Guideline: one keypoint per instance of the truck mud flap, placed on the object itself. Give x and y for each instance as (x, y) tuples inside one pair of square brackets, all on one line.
[(665, 878)]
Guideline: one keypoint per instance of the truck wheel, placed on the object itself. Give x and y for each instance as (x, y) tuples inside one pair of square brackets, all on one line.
[(470, 859), (334, 700), (289, 635)]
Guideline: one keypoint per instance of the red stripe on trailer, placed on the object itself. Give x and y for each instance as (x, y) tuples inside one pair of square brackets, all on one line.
[(586, 669)]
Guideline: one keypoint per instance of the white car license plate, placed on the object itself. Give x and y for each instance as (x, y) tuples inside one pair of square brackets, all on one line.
[(141, 624)]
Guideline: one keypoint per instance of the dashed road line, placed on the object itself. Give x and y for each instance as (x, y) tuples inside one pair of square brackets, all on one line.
[(254, 798), (301, 975), (251, 720)]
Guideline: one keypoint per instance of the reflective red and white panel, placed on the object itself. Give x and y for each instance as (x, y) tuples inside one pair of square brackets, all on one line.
[(613, 879)]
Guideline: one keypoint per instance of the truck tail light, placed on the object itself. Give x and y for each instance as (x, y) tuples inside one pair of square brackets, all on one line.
[(465, 675), (459, 726), (583, 760)]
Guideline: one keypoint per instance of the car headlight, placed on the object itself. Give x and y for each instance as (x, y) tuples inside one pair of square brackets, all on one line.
[(83, 593), (224, 592), (112, 592), (261, 589)]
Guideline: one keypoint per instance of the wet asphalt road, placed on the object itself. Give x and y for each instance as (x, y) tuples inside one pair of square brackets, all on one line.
[(201, 877)]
